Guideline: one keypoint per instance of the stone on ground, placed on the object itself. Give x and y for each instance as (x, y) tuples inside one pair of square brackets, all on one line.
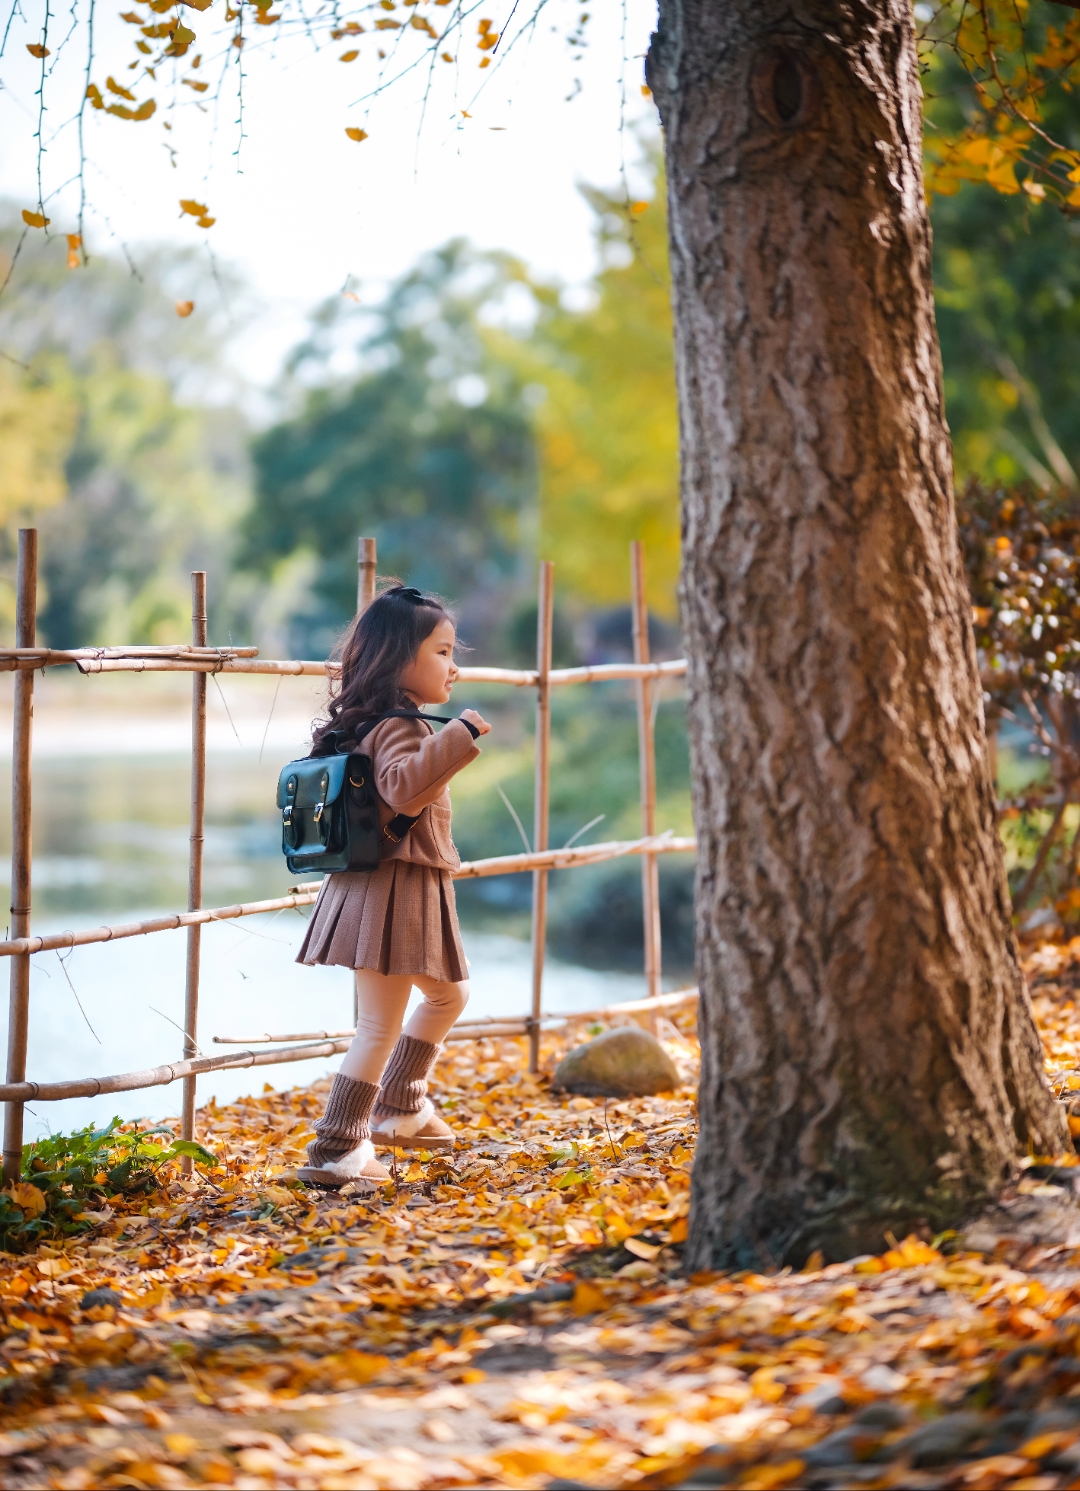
[(623, 1063)]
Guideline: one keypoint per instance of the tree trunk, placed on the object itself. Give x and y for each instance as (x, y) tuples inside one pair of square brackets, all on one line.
[(870, 1061)]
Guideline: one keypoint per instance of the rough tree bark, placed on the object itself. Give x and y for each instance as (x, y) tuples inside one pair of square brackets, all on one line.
[(869, 1056)]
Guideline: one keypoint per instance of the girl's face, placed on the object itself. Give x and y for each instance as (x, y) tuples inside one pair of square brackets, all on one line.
[(430, 676)]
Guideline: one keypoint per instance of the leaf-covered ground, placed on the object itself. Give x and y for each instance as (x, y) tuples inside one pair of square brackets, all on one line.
[(516, 1316)]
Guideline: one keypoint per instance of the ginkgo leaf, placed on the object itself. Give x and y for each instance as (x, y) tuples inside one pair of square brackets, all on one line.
[(37, 50), (25, 1196), (206, 222), (637, 208), (184, 307), (356, 134), (35, 219), (196, 4), (446, 56), (114, 87), (195, 83), (193, 208), (131, 18), (348, 56), (93, 93), (385, 24), (74, 244), (642, 1249), (421, 23)]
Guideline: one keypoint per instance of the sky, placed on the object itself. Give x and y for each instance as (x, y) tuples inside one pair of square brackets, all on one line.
[(302, 211)]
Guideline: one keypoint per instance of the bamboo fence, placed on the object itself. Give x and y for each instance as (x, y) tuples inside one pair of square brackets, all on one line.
[(199, 659)]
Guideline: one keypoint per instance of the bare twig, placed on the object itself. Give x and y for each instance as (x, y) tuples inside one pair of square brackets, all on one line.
[(1044, 849)]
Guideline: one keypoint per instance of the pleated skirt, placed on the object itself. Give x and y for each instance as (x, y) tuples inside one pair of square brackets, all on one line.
[(400, 918)]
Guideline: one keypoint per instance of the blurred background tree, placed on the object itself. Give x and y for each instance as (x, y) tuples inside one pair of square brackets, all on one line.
[(430, 449)]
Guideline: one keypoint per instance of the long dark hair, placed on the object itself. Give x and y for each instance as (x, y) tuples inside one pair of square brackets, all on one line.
[(374, 653)]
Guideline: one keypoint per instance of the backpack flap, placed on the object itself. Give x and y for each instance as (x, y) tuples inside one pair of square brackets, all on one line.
[(310, 798)]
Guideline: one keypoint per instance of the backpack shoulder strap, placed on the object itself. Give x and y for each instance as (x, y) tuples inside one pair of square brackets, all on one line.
[(391, 714)]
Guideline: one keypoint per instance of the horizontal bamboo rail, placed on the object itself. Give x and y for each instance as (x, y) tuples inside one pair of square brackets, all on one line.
[(483, 1025), (562, 859), (159, 1076), (305, 894), (162, 1076), (246, 660), (44, 943), (100, 659), (477, 1023)]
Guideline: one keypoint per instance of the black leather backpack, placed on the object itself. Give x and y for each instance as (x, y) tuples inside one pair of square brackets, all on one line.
[(330, 809)]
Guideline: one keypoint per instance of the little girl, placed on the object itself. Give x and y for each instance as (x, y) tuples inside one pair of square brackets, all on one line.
[(397, 925)]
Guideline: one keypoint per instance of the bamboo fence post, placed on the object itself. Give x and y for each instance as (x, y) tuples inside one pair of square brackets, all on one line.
[(366, 561), (21, 847), (365, 574), (650, 868), (195, 857), (544, 614)]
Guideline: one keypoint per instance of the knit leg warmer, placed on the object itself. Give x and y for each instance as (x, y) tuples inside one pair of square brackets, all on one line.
[(346, 1121), (405, 1080)]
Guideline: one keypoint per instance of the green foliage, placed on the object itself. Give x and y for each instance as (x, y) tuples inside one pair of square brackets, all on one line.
[(65, 1175), (1007, 287), (430, 449)]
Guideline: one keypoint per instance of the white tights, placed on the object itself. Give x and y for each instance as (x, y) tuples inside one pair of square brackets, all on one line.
[(381, 1001)]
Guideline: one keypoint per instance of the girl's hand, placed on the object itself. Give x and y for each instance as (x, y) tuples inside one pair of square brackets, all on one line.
[(476, 720)]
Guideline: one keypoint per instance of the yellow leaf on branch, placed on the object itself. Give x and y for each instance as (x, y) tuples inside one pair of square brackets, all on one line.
[(184, 307), (356, 134), (37, 50), (121, 92), (348, 56), (35, 219), (193, 208), (144, 111)]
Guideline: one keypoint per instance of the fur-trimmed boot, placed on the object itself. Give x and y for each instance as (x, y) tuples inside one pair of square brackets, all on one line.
[(342, 1150), (404, 1116)]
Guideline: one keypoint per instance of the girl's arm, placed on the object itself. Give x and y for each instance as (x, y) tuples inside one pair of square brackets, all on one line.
[(413, 764)]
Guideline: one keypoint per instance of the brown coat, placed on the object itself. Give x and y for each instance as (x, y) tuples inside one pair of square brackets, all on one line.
[(401, 918)]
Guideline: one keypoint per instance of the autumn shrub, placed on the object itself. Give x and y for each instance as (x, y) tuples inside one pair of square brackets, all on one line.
[(1022, 557), (66, 1175)]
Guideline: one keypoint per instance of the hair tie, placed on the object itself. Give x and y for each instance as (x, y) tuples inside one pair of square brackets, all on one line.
[(409, 593)]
